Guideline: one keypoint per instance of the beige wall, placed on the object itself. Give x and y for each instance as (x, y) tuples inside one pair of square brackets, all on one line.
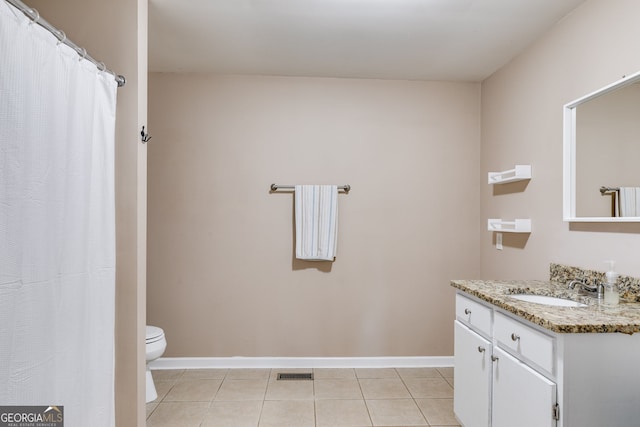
[(522, 123), (221, 277), (115, 32)]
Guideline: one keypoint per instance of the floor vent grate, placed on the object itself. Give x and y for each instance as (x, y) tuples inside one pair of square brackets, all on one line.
[(295, 376)]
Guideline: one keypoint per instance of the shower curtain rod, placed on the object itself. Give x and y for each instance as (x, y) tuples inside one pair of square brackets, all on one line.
[(61, 36)]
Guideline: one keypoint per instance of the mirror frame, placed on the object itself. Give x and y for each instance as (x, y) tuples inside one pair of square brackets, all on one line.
[(569, 154)]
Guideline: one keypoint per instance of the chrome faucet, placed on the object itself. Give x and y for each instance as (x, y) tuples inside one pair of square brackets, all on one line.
[(596, 290)]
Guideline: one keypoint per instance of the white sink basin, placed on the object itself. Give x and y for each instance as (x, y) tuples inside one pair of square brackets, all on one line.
[(546, 300)]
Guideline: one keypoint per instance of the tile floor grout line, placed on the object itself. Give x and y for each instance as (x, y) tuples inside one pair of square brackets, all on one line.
[(363, 399), (313, 394), (413, 398), (263, 400)]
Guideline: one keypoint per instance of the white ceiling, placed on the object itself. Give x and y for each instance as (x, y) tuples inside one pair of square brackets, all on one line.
[(461, 40)]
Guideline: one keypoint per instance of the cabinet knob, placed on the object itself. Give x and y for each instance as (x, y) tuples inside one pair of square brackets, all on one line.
[(494, 358), (467, 311), (480, 349), (515, 337)]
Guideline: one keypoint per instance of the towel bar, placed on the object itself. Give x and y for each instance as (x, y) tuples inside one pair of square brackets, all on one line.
[(275, 187), (604, 190)]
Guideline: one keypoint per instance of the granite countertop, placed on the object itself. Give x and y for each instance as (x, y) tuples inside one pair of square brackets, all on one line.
[(595, 318)]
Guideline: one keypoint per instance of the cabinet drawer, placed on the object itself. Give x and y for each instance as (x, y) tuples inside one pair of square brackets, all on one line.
[(525, 341), (474, 314)]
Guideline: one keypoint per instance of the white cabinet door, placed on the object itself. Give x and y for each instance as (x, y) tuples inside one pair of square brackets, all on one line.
[(472, 381), (521, 396)]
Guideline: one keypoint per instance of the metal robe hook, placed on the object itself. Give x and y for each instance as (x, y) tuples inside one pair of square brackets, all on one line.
[(144, 136)]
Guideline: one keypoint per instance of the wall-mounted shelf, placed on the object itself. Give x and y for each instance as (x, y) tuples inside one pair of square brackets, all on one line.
[(504, 226), (521, 172)]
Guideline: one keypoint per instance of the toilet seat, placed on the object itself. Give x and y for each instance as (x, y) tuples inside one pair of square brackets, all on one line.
[(154, 334)]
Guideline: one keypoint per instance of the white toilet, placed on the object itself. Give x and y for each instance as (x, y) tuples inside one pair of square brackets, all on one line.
[(155, 346)]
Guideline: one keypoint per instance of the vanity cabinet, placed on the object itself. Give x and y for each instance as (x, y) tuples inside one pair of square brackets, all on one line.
[(493, 387), (510, 372)]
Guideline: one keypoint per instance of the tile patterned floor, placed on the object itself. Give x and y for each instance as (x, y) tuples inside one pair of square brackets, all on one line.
[(399, 397)]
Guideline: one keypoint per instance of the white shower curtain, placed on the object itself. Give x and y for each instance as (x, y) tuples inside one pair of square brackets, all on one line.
[(57, 226)]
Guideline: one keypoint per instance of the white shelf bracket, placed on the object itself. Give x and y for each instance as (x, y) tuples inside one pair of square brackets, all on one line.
[(514, 226), (519, 173)]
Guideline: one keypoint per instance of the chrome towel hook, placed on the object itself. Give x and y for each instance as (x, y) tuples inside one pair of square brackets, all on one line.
[(144, 136)]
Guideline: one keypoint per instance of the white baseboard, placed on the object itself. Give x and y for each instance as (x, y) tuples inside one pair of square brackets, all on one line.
[(301, 362)]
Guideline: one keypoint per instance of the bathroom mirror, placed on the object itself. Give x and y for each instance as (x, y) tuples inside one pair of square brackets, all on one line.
[(602, 154)]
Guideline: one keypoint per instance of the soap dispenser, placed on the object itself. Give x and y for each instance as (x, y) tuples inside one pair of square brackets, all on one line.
[(611, 295)]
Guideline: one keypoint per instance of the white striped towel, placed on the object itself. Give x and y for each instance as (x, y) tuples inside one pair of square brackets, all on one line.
[(629, 201), (316, 222)]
